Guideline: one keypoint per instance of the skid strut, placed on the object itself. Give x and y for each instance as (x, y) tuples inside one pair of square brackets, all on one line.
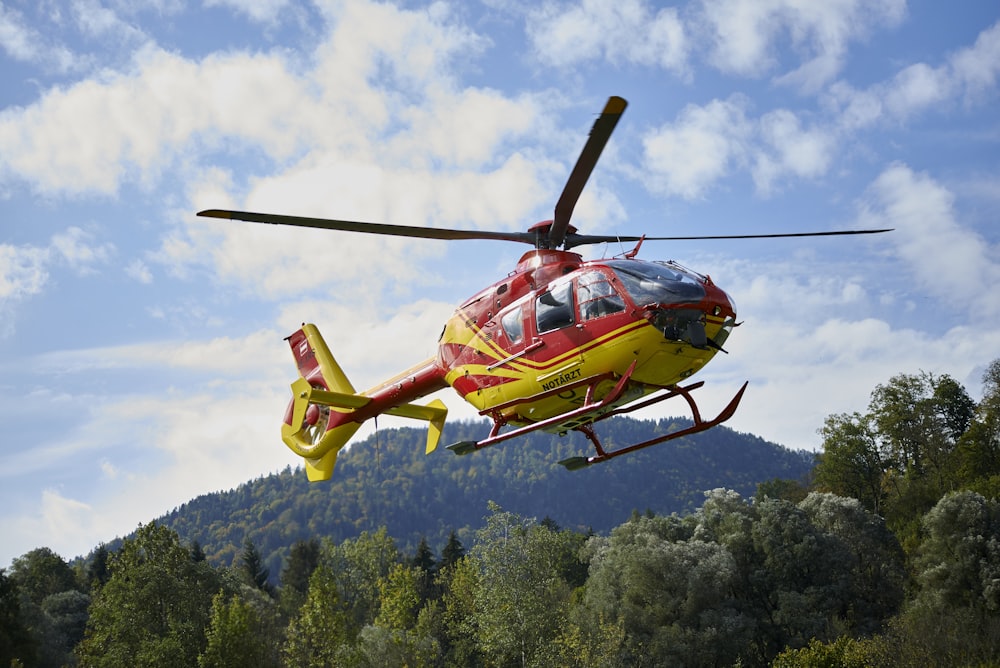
[(574, 463), (594, 410)]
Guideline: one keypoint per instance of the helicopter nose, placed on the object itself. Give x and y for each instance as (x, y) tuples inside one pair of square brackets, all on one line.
[(718, 303)]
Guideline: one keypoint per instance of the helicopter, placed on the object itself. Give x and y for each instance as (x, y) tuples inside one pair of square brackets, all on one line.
[(559, 344)]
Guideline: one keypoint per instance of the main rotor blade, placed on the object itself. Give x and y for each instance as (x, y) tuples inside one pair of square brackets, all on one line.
[(573, 240), (369, 228), (599, 135)]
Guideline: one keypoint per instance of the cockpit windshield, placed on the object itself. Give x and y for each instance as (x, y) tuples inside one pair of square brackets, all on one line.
[(657, 282)]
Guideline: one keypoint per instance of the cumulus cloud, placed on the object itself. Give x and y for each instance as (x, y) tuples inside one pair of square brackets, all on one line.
[(25, 269), (263, 11), (625, 32), (326, 139), (23, 42), (790, 149), (703, 145), (949, 260), (968, 75), (95, 134), (746, 35), (709, 142), (22, 271)]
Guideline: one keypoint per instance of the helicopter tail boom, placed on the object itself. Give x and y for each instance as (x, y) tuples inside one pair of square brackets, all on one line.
[(325, 411)]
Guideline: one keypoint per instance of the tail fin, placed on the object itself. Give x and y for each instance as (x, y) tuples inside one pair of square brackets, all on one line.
[(325, 409)]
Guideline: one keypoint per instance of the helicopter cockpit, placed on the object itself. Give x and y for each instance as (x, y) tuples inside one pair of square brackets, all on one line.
[(659, 283)]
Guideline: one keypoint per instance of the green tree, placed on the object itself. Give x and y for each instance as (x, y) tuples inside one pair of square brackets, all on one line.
[(876, 565), (852, 462), (959, 559), (672, 598), (97, 572), (253, 568), (237, 636), (66, 615), (394, 638), (302, 561), (358, 566), (979, 447), (155, 606), (16, 644), (452, 552), (920, 419), (459, 628), (399, 598), (303, 558), (423, 561), (53, 605), (41, 573), (844, 652), (319, 635), (522, 600)]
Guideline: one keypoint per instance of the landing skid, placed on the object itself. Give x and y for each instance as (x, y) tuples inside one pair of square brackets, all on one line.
[(594, 410)]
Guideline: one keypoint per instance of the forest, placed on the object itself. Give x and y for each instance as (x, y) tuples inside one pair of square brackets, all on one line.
[(883, 551)]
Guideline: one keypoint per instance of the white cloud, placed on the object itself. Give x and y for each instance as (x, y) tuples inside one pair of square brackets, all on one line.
[(916, 88), (833, 365), (252, 355), (206, 441), (25, 270), (977, 67), (950, 261), (24, 43), (96, 133), (624, 32), (335, 136), (790, 149), (139, 270), (746, 34), (969, 74), (75, 248), (263, 11), (705, 143), (22, 271)]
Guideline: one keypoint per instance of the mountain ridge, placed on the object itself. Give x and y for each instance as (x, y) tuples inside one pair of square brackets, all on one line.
[(387, 480)]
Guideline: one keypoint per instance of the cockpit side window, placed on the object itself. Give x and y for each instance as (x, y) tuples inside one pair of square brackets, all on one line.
[(513, 324), (554, 309), (597, 297)]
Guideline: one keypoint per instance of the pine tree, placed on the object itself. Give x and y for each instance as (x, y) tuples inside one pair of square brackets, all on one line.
[(254, 569)]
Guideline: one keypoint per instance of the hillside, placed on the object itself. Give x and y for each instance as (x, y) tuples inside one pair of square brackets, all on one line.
[(387, 480)]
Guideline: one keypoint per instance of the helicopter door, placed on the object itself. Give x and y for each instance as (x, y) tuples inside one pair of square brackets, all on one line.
[(555, 327)]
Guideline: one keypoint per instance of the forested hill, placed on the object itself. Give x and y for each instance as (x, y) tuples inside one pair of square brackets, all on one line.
[(387, 480)]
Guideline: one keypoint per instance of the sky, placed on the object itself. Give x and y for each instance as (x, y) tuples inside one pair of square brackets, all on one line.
[(142, 360)]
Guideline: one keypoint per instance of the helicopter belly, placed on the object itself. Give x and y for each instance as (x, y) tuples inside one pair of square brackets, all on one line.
[(532, 388)]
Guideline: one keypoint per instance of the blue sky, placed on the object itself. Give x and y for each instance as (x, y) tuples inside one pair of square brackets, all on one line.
[(141, 352)]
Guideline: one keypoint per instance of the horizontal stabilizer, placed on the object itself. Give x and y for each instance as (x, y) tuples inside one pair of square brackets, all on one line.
[(326, 412)]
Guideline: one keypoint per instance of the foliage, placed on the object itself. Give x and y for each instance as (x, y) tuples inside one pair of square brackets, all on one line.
[(387, 480), (303, 558), (319, 635), (737, 582), (237, 636), (155, 606), (253, 569), (921, 438), (522, 599), (15, 638), (53, 607), (796, 576)]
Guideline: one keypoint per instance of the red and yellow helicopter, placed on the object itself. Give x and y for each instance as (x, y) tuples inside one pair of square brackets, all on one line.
[(558, 344)]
